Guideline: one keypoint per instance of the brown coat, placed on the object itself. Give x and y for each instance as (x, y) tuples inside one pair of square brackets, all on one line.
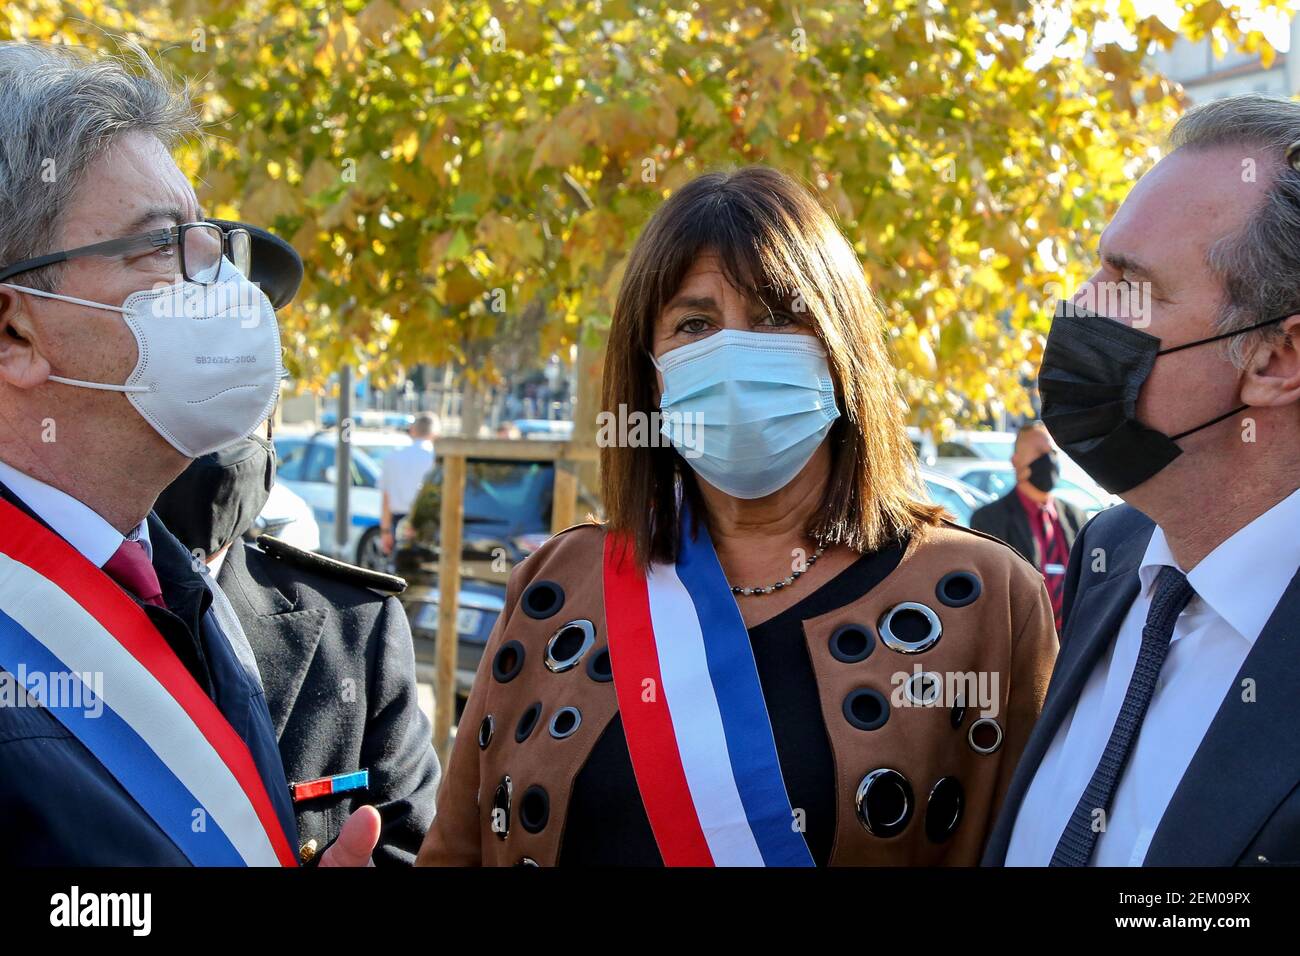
[(1006, 632)]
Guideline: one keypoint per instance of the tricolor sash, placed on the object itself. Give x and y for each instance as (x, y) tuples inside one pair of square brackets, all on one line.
[(153, 728), (693, 712)]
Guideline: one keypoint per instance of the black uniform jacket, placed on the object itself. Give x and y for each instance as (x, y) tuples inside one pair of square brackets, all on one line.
[(338, 665)]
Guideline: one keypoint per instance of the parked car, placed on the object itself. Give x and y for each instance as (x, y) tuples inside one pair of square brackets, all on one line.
[(922, 444), (547, 429), (371, 418), (507, 516), (305, 463), (286, 516), (955, 495), (989, 445), (997, 478)]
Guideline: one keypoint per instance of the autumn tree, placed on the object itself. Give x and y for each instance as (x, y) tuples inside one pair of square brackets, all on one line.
[(466, 177)]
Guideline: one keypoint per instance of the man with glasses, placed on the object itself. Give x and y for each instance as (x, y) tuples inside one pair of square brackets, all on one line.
[(133, 725), (196, 250)]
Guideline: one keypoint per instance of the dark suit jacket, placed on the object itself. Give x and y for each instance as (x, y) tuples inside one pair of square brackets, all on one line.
[(339, 669), (1239, 800), (59, 806), (1006, 520)]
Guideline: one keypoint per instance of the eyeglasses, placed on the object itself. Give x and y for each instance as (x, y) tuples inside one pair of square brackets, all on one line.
[(202, 246), (1293, 155)]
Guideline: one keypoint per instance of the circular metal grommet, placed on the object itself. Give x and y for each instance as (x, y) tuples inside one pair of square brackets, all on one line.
[(508, 662), (568, 644), (910, 628), (943, 809), (884, 802), (565, 722), (541, 599), (985, 735), (528, 722), (527, 861), (599, 668), (501, 808), (958, 713), (852, 643), (866, 709), (485, 731), (534, 809), (958, 588), (924, 689)]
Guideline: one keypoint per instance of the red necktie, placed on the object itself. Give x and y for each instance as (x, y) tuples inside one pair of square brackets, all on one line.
[(130, 567)]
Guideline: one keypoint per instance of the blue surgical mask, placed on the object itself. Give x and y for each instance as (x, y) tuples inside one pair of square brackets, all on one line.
[(747, 409)]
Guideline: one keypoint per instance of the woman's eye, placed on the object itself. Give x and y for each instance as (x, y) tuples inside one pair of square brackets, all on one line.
[(778, 319), (693, 324)]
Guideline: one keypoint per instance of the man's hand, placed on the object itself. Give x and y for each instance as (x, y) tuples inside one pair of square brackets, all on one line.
[(386, 541), (357, 840)]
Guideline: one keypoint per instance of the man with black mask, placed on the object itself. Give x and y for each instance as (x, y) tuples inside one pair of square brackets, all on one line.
[(1030, 518), (334, 651), (1173, 377)]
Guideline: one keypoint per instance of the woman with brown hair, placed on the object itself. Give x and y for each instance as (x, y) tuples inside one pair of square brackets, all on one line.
[(772, 652)]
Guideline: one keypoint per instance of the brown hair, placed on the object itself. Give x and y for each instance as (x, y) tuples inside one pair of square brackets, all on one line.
[(761, 223)]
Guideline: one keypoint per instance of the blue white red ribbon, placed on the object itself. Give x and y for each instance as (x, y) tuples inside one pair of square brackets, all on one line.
[(693, 711), (158, 733)]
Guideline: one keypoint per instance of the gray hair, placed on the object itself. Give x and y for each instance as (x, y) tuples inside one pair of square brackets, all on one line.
[(1260, 264), (60, 109)]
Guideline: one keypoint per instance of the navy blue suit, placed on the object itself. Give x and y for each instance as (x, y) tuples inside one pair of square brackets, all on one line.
[(1239, 800), (60, 807)]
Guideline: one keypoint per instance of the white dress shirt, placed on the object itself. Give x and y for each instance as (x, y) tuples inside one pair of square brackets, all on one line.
[(403, 471), (1237, 587), (74, 522)]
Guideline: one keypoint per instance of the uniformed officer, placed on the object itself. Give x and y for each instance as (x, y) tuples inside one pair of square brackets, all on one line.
[(334, 650)]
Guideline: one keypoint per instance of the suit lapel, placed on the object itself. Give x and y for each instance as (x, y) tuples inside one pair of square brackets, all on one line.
[(1249, 759), (1023, 535), (1094, 622), (284, 638)]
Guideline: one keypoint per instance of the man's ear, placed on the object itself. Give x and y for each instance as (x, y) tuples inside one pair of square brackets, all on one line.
[(21, 363), (1272, 376)]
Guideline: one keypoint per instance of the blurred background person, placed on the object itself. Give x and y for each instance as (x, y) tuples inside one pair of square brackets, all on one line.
[(401, 475), (1030, 518), (334, 651)]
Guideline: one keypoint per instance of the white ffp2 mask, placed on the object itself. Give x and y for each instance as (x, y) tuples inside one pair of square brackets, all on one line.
[(209, 363)]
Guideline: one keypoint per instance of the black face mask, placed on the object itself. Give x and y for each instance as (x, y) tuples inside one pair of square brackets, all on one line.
[(217, 498), (1092, 371), (1043, 471)]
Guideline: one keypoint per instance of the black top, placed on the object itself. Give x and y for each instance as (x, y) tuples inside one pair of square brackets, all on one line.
[(606, 823)]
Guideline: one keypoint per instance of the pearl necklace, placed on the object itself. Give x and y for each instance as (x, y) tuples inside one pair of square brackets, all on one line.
[(771, 588)]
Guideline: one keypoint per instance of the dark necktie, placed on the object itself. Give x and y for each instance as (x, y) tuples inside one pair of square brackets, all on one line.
[(1080, 839), (130, 567)]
